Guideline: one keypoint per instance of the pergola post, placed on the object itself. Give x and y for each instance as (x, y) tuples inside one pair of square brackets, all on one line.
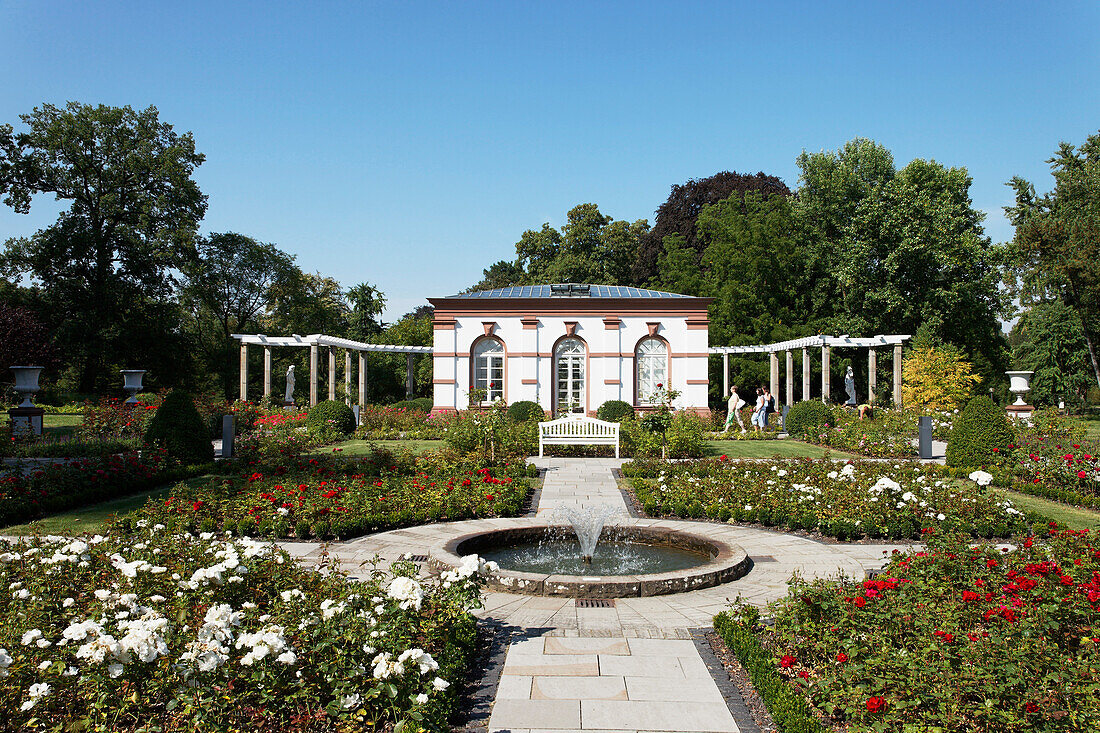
[(267, 372), (347, 377), (312, 375), (805, 373), (773, 376), (725, 376), (872, 375), (362, 379), (331, 373), (897, 375), (244, 371), (826, 376), (410, 385), (790, 378)]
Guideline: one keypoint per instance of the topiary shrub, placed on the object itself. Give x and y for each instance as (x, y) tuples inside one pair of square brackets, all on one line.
[(809, 416), (333, 415), (423, 404), (615, 410), (979, 434), (524, 411), (178, 428)]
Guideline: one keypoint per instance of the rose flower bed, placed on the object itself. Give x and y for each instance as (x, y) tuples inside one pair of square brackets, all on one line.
[(957, 638), (179, 633), (888, 435), (330, 497), (841, 500)]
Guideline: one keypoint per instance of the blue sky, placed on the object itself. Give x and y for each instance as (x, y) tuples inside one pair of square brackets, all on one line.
[(410, 144)]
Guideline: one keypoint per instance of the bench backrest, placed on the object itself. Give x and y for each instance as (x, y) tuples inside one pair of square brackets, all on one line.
[(565, 426)]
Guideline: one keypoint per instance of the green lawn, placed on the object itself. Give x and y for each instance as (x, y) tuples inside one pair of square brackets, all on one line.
[(1091, 424), (94, 519), (769, 449), (1070, 516), (56, 426), (354, 448)]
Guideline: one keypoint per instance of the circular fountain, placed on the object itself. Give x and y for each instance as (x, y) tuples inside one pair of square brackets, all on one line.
[(586, 558)]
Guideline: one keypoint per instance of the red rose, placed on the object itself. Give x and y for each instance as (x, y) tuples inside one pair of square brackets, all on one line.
[(842, 657), (786, 661), (874, 704), (804, 675), (1031, 707), (1081, 474), (723, 457), (861, 601), (659, 385)]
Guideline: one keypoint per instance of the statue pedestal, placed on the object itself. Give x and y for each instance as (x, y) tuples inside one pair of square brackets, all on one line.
[(1020, 412), (289, 404), (26, 420)]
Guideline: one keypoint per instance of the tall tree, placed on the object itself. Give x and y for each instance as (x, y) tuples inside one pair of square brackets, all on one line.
[(1057, 240), (229, 279), (367, 303), (1049, 340), (106, 263), (678, 214)]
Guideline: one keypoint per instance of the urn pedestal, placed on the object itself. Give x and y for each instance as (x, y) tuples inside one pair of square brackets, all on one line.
[(26, 418), (1019, 385)]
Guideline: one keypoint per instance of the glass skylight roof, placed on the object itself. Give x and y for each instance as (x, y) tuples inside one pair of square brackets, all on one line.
[(569, 290)]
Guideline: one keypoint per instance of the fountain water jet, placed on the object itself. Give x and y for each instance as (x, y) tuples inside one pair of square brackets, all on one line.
[(587, 523)]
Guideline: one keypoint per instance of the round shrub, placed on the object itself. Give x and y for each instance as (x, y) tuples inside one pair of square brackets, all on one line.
[(333, 414), (979, 434), (808, 416), (420, 404), (614, 411), (525, 410), (178, 427)]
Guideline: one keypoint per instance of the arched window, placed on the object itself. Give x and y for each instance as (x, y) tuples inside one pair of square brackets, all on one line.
[(569, 362), (651, 362), (488, 369)]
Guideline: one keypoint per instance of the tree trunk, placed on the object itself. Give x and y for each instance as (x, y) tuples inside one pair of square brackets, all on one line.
[(1092, 356)]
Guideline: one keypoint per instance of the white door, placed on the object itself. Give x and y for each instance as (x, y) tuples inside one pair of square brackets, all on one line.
[(569, 370)]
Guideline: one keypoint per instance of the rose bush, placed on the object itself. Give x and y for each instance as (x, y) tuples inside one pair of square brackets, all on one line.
[(958, 637), (848, 500), (324, 497), (181, 633)]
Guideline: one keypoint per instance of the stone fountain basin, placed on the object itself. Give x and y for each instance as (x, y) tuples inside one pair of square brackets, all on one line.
[(727, 562)]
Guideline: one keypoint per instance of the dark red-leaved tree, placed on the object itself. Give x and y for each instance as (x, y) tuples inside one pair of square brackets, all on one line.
[(24, 340), (677, 215)]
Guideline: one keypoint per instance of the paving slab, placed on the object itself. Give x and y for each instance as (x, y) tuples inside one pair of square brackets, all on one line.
[(658, 715)]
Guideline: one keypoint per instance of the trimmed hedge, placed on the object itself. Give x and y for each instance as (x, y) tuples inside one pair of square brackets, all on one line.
[(525, 411), (788, 708), (808, 416), (981, 428), (331, 413), (178, 428), (423, 404), (615, 410)]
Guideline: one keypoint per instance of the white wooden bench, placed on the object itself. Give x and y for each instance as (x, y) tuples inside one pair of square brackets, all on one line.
[(578, 430)]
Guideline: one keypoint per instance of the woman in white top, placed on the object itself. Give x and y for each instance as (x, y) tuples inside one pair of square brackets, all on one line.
[(734, 405), (758, 411)]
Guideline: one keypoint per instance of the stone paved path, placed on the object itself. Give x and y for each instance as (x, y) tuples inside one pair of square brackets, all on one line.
[(630, 667)]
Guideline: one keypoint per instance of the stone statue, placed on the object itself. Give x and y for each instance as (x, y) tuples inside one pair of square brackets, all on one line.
[(850, 386), (288, 397)]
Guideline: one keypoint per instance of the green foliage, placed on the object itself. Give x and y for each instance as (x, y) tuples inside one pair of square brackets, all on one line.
[(615, 411), (981, 435), (331, 415), (105, 265), (525, 411), (1050, 341), (420, 404), (809, 416), (178, 427), (788, 708)]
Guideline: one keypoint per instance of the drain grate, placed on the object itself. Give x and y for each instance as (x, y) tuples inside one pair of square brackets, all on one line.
[(763, 558), (417, 558), (595, 602)]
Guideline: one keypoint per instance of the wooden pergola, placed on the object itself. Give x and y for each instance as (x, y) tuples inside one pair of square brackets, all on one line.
[(315, 342), (826, 344)]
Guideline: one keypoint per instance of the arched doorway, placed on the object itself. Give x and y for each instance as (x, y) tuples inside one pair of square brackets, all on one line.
[(569, 371)]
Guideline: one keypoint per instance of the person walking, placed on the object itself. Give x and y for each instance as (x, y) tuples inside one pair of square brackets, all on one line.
[(758, 411), (734, 407), (769, 406)]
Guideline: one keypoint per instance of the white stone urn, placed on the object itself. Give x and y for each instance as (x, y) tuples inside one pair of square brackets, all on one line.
[(1019, 385), (131, 382), (26, 382)]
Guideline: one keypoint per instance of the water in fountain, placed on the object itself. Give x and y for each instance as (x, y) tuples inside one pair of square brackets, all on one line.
[(587, 523)]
